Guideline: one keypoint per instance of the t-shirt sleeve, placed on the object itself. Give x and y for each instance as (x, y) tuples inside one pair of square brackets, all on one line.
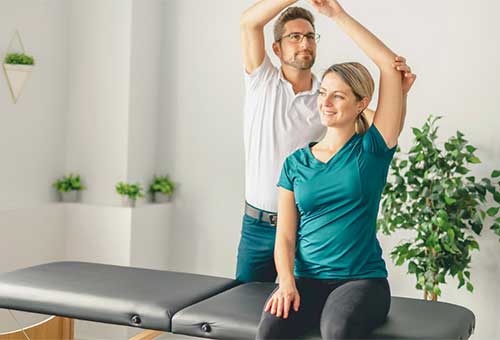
[(373, 142), (286, 176), (260, 75)]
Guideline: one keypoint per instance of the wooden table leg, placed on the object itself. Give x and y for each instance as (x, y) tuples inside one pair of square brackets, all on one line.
[(147, 335)]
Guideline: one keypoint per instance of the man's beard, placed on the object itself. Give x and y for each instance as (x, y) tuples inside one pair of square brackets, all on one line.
[(301, 64)]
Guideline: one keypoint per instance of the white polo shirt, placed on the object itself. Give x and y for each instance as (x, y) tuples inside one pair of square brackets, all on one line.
[(276, 123)]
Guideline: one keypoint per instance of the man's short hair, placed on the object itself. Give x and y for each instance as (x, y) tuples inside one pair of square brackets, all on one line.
[(291, 13)]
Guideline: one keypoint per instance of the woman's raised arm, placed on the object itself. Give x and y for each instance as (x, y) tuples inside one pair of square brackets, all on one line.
[(388, 115)]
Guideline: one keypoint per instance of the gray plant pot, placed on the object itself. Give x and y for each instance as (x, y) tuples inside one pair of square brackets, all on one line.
[(127, 202), (70, 196), (159, 197)]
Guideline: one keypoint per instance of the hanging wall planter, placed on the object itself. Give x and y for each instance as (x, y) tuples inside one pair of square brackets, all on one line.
[(17, 67)]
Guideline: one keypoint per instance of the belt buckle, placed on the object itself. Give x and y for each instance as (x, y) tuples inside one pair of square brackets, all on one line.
[(273, 219)]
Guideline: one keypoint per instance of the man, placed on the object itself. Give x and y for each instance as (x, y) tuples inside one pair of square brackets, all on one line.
[(280, 116)]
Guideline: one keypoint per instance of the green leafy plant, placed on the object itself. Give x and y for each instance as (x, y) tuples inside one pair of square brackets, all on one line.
[(162, 184), (132, 191), (69, 183), (19, 59), (431, 194)]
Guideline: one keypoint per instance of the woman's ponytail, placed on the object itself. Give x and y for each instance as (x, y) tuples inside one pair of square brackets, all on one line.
[(361, 124)]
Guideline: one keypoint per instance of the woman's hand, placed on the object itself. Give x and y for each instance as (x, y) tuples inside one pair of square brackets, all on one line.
[(330, 8), (280, 302), (408, 77)]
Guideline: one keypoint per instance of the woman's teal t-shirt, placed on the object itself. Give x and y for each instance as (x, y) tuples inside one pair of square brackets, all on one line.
[(338, 203)]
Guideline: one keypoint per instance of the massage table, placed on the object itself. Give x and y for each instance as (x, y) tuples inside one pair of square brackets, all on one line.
[(191, 304)]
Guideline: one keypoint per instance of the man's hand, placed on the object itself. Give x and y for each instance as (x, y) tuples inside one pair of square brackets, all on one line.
[(330, 8), (408, 77)]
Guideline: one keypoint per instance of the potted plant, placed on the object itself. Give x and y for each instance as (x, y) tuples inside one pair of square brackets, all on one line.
[(129, 192), (19, 59), (431, 193), (161, 189), (69, 187), (17, 67)]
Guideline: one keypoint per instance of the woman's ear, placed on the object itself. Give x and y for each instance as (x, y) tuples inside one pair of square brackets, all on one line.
[(363, 104)]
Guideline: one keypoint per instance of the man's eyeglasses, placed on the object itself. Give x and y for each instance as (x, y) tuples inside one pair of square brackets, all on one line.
[(297, 37)]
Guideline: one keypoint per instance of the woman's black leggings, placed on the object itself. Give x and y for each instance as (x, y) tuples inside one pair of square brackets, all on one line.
[(343, 309)]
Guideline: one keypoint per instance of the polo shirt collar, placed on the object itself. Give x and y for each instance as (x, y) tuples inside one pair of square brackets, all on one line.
[(315, 83)]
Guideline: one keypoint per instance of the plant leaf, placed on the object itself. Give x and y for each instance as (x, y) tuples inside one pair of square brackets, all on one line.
[(474, 160), (470, 148), (492, 211), (412, 267), (449, 200), (474, 245), (417, 132)]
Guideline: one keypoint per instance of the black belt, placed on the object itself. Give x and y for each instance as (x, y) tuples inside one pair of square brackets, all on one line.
[(261, 215)]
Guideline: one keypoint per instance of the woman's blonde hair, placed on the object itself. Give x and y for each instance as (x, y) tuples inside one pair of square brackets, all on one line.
[(361, 83)]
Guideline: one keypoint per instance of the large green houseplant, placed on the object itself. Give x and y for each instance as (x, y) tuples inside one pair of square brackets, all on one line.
[(430, 192)]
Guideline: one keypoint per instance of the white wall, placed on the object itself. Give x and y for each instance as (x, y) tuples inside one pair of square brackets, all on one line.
[(99, 85), (32, 135), (32, 131), (31, 236), (201, 141), (144, 105)]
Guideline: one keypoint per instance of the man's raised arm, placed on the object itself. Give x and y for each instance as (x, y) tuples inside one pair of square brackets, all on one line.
[(252, 24)]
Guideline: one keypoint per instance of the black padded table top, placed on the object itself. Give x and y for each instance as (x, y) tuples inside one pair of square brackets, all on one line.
[(235, 314), (128, 296)]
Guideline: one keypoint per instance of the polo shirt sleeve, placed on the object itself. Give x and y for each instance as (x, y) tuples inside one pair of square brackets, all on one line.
[(286, 176), (374, 143), (261, 74)]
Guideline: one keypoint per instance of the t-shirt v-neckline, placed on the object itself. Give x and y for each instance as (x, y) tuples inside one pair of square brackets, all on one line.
[(342, 148)]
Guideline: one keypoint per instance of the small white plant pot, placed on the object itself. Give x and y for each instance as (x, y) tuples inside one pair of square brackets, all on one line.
[(159, 197), (128, 202), (70, 196), (17, 75)]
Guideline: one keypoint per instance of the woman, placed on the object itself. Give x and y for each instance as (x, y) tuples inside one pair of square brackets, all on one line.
[(339, 279)]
